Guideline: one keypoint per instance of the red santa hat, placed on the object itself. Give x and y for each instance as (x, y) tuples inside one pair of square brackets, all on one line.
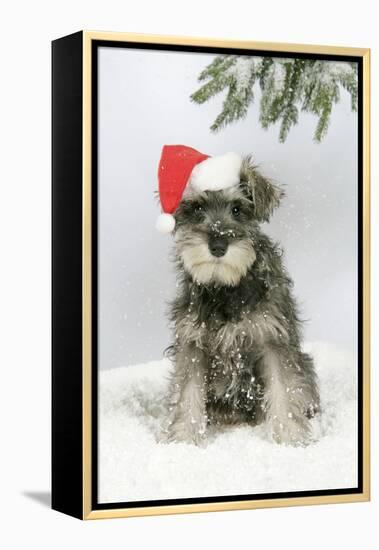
[(181, 168)]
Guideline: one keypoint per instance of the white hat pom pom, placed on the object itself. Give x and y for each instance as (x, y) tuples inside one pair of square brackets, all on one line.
[(165, 223)]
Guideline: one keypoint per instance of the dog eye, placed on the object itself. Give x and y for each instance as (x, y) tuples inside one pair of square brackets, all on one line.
[(198, 208), (236, 210)]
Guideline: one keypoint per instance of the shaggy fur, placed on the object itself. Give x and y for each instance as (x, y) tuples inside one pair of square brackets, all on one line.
[(237, 354)]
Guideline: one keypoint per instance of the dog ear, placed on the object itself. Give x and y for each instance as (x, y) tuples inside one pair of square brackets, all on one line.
[(264, 194)]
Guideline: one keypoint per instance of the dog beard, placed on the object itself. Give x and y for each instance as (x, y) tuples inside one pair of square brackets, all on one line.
[(204, 268)]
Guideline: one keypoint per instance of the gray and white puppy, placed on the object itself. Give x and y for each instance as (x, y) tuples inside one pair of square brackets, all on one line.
[(237, 351)]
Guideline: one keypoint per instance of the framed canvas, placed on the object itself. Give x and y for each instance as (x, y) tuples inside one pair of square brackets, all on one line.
[(223, 365)]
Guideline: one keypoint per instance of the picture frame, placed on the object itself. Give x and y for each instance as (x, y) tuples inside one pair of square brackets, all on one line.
[(75, 273)]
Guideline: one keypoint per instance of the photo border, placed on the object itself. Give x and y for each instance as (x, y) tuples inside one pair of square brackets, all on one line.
[(91, 508)]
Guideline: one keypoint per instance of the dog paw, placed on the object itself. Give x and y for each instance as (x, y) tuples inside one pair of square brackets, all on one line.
[(179, 433), (290, 431)]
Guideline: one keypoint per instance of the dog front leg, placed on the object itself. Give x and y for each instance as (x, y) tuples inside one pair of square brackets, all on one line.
[(287, 397), (188, 417)]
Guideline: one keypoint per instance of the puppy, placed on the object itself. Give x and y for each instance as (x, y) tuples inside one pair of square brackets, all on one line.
[(236, 353)]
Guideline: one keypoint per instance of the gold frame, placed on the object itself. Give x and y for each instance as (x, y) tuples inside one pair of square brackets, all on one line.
[(364, 54)]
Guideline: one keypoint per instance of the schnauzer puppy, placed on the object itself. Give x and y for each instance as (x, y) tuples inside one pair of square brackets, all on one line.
[(237, 350)]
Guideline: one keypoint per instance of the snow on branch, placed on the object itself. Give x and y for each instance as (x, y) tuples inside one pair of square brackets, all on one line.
[(288, 87)]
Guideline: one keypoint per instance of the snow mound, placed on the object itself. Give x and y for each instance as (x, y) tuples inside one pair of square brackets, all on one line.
[(237, 460)]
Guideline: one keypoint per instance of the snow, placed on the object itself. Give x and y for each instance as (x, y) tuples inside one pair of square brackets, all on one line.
[(330, 71), (133, 465), (242, 69)]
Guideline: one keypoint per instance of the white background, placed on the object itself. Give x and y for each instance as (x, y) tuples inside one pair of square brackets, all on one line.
[(27, 28)]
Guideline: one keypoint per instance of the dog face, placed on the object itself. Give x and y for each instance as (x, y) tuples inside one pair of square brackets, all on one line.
[(215, 229)]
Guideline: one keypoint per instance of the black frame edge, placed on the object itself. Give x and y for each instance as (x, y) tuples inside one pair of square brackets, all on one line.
[(67, 132)]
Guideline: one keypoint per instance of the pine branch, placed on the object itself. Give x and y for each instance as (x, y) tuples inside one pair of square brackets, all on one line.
[(288, 86)]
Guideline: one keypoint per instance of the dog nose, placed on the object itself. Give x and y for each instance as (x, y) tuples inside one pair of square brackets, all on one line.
[(218, 246)]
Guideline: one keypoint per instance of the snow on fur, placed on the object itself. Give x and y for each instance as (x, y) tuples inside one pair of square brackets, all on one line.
[(237, 460)]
